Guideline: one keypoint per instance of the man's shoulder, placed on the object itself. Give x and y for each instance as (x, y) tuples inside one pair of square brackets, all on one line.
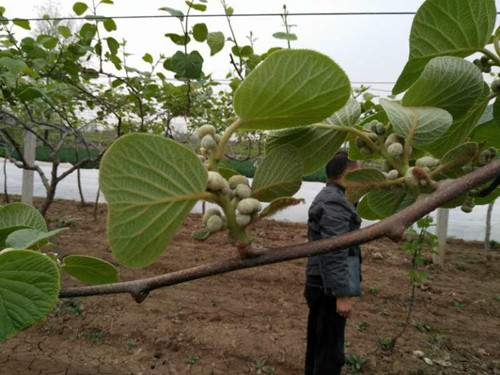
[(330, 194)]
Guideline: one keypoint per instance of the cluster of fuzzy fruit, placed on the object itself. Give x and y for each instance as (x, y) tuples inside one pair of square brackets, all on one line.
[(236, 189)]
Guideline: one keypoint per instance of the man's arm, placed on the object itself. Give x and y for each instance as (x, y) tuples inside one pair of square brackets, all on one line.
[(334, 267)]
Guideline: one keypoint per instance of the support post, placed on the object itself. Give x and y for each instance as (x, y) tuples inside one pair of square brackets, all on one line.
[(28, 175), (487, 236), (442, 233)]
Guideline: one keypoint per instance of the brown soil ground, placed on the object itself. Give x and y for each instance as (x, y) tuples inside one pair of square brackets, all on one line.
[(235, 323)]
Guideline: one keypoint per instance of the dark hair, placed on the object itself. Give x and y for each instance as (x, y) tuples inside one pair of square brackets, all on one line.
[(338, 165)]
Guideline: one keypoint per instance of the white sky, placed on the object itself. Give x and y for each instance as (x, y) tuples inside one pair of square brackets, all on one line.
[(369, 48)]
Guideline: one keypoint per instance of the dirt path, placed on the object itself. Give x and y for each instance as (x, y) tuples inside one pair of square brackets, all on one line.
[(253, 321)]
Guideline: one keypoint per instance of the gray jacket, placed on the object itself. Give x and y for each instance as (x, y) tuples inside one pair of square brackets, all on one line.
[(337, 272)]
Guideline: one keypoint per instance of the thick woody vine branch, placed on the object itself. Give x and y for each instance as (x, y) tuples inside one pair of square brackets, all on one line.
[(392, 227)]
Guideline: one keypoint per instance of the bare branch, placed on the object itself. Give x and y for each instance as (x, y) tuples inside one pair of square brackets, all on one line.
[(233, 63), (79, 164), (392, 227), (28, 128)]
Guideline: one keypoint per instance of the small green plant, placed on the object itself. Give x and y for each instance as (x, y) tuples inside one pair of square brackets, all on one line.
[(493, 244), (355, 363), (69, 307), (374, 290), (193, 359), (385, 343), (497, 298), (361, 326), (414, 246), (132, 344), (47, 327), (383, 312), (61, 223), (435, 337), (273, 298), (95, 335), (262, 368), (421, 325), (458, 304), (347, 344)]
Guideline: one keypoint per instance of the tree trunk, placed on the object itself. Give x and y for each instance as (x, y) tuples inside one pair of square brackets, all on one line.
[(49, 199), (96, 203), (487, 244), (6, 198), (51, 191), (78, 176), (442, 233)]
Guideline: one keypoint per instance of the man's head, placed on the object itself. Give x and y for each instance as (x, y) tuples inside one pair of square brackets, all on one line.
[(339, 166)]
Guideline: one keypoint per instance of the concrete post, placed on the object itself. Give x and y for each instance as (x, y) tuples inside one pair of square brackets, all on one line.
[(442, 233), (28, 175)]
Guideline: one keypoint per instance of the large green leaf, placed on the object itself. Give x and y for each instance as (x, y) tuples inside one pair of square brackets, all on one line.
[(496, 112), (461, 128), (79, 8), (215, 41), (15, 216), (109, 24), (278, 205), (25, 24), (488, 133), (449, 83), (285, 36), (291, 88), (200, 32), (366, 212), (30, 238), (90, 270), (317, 146), (151, 184), (278, 175), (446, 28), (174, 12), (227, 173), (424, 124), (180, 40), (187, 66), (29, 287), (360, 181), (458, 157), (14, 66), (348, 115), (385, 202)]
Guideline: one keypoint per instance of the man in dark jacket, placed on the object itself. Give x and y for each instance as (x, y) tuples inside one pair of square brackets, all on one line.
[(333, 278)]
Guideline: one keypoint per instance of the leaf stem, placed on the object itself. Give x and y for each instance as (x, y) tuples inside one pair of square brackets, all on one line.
[(496, 44), (219, 153), (237, 233), (409, 138)]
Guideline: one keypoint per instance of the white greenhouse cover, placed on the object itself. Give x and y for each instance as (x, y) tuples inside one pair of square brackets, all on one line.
[(466, 226)]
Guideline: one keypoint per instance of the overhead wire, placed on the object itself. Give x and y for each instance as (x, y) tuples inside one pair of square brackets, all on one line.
[(296, 14)]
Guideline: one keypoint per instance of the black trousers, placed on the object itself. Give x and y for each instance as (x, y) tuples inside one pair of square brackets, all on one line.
[(325, 334)]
